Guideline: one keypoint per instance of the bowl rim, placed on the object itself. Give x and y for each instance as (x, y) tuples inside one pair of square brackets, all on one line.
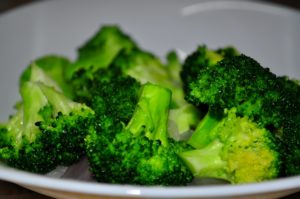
[(96, 188)]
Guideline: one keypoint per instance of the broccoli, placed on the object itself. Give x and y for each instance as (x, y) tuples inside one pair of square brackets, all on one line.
[(202, 58), (140, 120), (141, 65), (101, 49), (140, 151), (107, 93), (256, 93), (233, 148), (54, 67), (146, 67), (243, 83), (48, 130)]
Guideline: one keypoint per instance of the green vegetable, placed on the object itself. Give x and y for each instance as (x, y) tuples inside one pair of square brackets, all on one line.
[(233, 148), (100, 50), (141, 150), (48, 130), (140, 120), (271, 102)]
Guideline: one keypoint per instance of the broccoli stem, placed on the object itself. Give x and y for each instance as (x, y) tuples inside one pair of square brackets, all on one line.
[(206, 162), (33, 101), (200, 137), (58, 101), (36, 74), (151, 113)]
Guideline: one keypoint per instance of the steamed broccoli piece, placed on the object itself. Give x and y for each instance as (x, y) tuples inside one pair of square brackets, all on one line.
[(101, 49), (107, 93), (47, 131), (243, 83), (202, 58), (146, 67), (140, 151), (52, 67), (233, 148), (270, 101)]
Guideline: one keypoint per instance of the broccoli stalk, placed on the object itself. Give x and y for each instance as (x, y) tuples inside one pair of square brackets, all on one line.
[(146, 67), (232, 148), (151, 114), (141, 149)]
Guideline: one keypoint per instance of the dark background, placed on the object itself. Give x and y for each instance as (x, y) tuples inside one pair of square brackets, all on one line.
[(11, 191)]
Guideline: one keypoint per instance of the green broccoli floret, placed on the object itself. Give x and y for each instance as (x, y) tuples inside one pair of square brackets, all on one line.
[(101, 49), (233, 148), (107, 93), (202, 58), (243, 83), (47, 131), (140, 152), (54, 67), (270, 101)]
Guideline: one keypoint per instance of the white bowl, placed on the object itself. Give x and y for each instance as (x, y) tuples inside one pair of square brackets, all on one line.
[(266, 32)]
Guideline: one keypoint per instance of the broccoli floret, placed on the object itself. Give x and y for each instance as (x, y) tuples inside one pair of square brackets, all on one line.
[(107, 93), (101, 49), (233, 148), (270, 101), (140, 152), (202, 58), (243, 83), (54, 67), (47, 131)]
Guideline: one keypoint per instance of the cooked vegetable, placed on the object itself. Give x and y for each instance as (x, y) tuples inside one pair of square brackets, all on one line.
[(233, 148), (139, 120), (269, 101), (140, 152), (48, 130)]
